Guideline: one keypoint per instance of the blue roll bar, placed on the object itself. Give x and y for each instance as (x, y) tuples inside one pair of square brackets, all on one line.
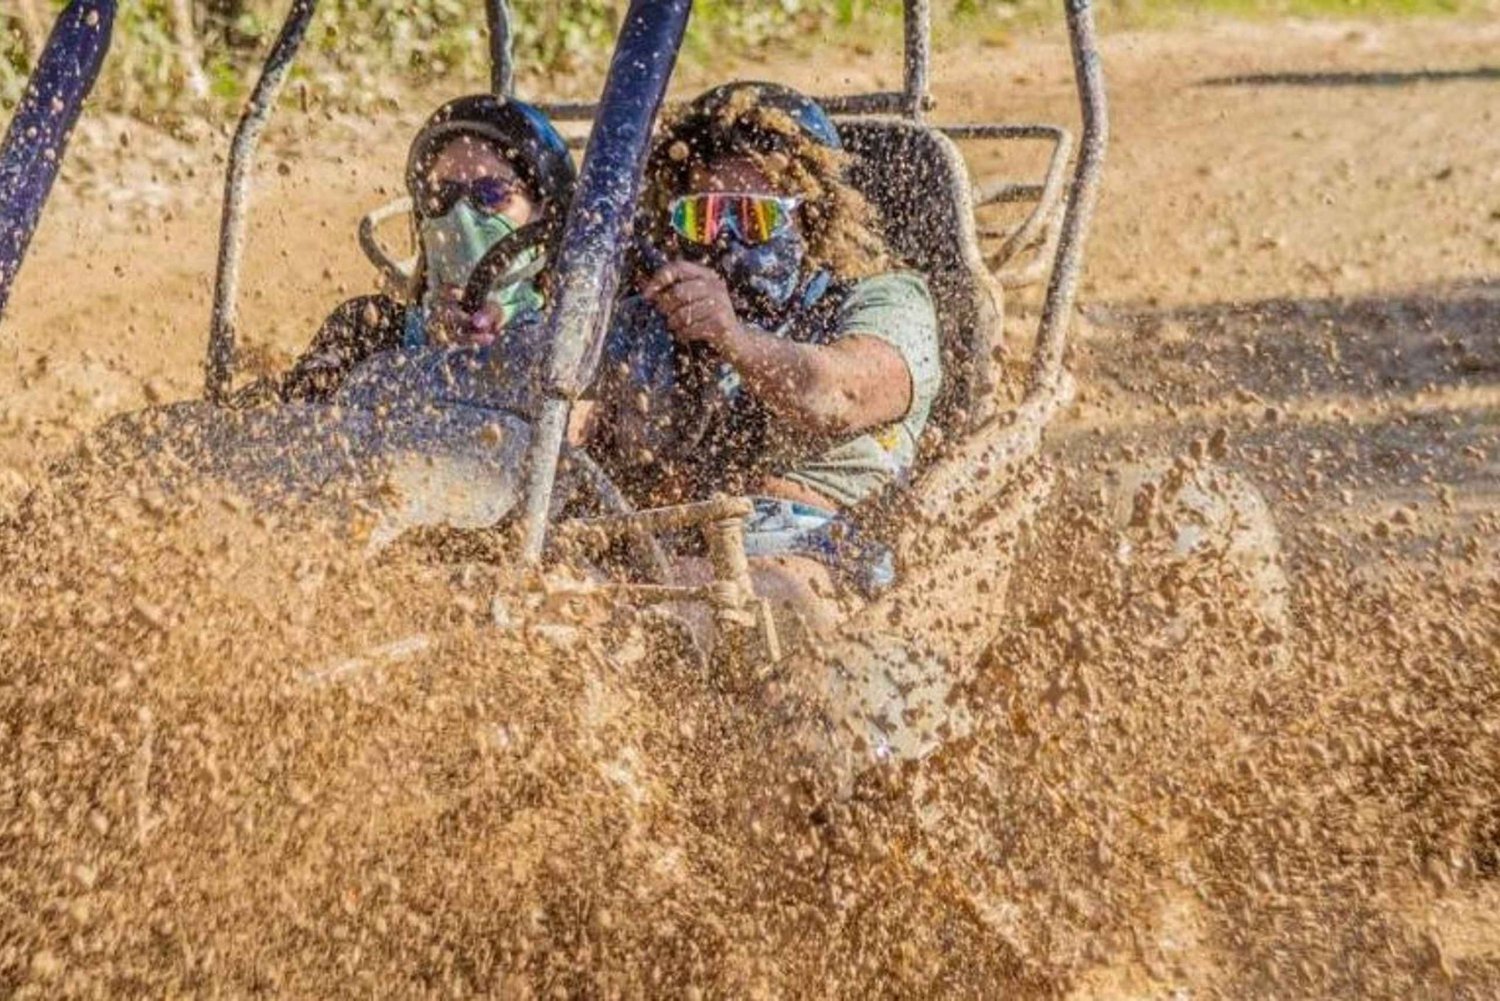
[(37, 139), (597, 233)]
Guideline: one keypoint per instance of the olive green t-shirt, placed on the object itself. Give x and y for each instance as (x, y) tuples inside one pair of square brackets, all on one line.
[(896, 308)]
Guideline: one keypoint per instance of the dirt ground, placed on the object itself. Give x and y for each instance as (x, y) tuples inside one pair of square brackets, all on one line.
[(1298, 245)]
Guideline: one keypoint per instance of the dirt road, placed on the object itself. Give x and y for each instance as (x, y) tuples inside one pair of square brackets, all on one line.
[(1298, 244)]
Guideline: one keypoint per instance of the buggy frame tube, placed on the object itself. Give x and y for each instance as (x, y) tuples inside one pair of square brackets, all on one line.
[(597, 233), (221, 341), (1047, 195), (1051, 339), (37, 138), (916, 57), (398, 274), (502, 48)]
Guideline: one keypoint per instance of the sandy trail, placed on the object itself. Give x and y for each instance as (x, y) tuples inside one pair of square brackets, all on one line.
[(1308, 265)]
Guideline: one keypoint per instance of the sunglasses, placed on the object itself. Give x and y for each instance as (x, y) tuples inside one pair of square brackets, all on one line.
[(489, 195), (753, 218)]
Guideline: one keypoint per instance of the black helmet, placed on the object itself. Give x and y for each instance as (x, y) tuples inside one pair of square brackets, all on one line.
[(526, 139), (704, 129)]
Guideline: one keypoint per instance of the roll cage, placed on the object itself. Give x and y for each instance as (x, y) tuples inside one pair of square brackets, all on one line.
[(598, 224)]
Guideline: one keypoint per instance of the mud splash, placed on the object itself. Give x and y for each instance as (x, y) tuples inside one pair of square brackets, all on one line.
[(235, 760), (238, 760)]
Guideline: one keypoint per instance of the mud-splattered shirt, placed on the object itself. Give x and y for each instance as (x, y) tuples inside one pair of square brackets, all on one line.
[(680, 415)]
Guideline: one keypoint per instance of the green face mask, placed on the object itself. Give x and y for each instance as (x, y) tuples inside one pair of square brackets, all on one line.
[(454, 243)]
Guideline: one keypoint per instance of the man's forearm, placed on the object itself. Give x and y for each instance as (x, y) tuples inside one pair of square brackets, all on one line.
[(791, 379)]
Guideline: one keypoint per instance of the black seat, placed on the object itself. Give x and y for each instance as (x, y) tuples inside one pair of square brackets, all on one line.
[(916, 179)]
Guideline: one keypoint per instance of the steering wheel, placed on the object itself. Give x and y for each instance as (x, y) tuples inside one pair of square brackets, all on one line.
[(501, 259)]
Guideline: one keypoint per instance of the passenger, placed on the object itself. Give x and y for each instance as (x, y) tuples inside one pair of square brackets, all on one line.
[(480, 169), (777, 352)]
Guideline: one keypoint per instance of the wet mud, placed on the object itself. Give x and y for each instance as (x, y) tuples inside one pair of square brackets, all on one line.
[(240, 756)]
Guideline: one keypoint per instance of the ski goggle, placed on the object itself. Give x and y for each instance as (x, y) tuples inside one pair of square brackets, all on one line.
[(753, 218), (489, 195)]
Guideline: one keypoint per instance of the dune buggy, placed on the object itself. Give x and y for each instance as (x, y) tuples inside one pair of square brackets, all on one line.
[(884, 683)]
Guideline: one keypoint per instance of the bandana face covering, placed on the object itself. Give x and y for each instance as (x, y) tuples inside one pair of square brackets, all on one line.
[(762, 277), (455, 242)]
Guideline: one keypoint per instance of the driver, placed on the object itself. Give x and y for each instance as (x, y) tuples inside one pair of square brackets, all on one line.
[(479, 170), (775, 351)]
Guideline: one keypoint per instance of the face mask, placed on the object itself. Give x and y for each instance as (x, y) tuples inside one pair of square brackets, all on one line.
[(764, 277), (454, 243)]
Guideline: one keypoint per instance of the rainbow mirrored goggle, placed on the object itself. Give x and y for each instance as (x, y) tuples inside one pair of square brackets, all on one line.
[(753, 218)]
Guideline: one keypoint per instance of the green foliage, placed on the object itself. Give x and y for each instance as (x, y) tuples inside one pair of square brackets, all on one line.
[(363, 50)]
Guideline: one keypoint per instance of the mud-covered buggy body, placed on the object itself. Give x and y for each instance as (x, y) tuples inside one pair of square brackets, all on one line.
[(485, 462)]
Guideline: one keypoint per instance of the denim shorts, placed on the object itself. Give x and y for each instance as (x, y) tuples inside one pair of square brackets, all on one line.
[(781, 527)]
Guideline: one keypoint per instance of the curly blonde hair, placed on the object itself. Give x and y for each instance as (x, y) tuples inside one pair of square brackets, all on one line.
[(840, 226)]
